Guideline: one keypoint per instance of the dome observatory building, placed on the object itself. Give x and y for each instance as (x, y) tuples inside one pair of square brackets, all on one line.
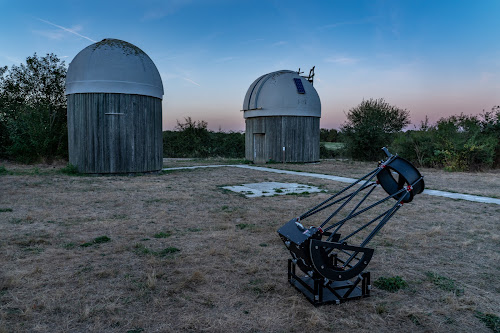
[(114, 93), (282, 112)]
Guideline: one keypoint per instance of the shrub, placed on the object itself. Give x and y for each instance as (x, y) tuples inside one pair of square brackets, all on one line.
[(457, 143), (391, 284), (325, 152), (370, 126), (193, 139)]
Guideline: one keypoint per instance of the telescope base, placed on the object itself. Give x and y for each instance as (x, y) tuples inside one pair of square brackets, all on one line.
[(332, 292)]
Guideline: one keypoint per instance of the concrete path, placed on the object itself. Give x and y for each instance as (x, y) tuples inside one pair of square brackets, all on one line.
[(437, 193)]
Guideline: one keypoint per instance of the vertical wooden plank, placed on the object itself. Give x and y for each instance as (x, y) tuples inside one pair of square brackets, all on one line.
[(249, 138), (102, 142)]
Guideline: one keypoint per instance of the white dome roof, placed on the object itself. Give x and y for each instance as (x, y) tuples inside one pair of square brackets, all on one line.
[(281, 93), (113, 66)]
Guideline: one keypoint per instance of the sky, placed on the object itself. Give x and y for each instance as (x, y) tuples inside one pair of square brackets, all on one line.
[(433, 58)]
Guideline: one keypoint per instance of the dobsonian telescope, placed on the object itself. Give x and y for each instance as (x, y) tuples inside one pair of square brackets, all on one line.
[(334, 263)]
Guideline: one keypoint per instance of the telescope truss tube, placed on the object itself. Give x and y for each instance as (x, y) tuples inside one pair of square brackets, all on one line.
[(335, 263)]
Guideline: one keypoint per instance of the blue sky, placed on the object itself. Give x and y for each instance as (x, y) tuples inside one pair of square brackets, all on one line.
[(434, 58)]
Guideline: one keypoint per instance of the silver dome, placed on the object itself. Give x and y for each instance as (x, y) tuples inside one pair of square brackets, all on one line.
[(113, 66), (281, 93)]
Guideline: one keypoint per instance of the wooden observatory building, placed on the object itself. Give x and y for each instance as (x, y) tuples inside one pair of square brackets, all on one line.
[(114, 93), (282, 112)]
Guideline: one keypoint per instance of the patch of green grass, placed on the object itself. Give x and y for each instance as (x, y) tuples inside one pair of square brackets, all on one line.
[(302, 194), (69, 246), (333, 145), (141, 249), (444, 283), (490, 320), (4, 210), (97, 240), (278, 190), (167, 250), (70, 169), (3, 171), (391, 284), (242, 226), (162, 234), (101, 239)]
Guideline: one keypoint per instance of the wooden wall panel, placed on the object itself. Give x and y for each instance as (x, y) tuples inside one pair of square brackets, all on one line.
[(115, 133), (299, 136)]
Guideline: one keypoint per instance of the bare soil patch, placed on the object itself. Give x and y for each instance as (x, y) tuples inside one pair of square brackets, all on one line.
[(185, 255)]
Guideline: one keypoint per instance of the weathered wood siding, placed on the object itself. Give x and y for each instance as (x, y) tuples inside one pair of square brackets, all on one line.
[(115, 133), (299, 136)]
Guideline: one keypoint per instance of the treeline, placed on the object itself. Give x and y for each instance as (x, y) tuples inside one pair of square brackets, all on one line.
[(33, 128), (193, 139), (455, 143)]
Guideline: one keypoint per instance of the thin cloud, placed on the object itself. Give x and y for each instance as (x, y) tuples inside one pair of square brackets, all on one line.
[(68, 30), (164, 8), (281, 42), (191, 81), (252, 41), (56, 35), (12, 59), (355, 22), (225, 59), (342, 60)]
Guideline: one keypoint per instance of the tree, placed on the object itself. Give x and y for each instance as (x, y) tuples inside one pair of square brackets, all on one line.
[(193, 139), (370, 126), (328, 135), (33, 109)]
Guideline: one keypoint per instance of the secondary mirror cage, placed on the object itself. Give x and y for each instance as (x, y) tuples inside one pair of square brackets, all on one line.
[(333, 254)]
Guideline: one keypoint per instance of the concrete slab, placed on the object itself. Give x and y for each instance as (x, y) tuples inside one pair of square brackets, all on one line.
[(458, 196), (267, 189)]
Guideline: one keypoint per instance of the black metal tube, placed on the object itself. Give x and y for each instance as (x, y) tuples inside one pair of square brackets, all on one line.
[(387, 217), (352, 211), (382, 223), (364, 210), (364, 226), (306, 215), (362, 200), (373, 174), (335, 195)]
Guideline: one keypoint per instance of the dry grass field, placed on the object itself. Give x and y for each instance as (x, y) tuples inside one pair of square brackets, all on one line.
[(175, 252)]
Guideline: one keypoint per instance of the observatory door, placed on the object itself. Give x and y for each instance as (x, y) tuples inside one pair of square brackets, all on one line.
[(259, 148)]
